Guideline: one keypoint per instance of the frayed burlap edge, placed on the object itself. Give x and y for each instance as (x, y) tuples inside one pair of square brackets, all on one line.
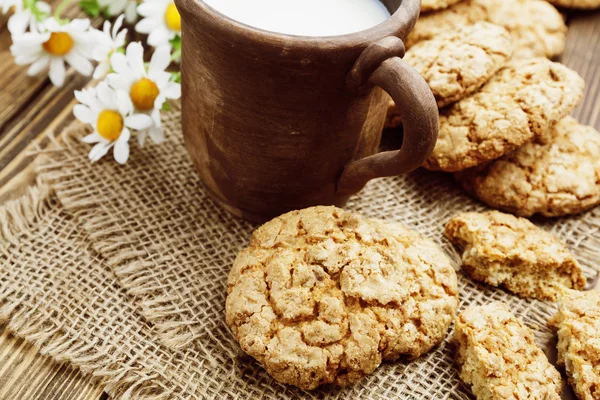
[(155, 305), (40, 330)]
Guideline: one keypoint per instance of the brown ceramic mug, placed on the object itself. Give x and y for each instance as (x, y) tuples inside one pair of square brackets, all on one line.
[(275, 122)]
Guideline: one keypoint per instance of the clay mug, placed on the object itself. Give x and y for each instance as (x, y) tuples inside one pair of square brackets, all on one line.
[(275, 122)]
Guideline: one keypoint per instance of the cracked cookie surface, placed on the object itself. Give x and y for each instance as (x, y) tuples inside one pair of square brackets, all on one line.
[(557, 174), (498, 357), (456, 64), (322, 296), (537, 28), (578, 326), (432, 5), (503, 250), (577, 4), (523, 100)]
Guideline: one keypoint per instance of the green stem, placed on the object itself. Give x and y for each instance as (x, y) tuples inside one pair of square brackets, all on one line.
[(61, 7)]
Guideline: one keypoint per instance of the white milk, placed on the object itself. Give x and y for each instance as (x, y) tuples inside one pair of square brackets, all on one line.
[(305, 17)]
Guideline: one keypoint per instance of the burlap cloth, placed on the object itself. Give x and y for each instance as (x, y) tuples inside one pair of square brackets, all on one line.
[(121, 271)]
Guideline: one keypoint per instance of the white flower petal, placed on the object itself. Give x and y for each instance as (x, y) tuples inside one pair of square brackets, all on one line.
[(85, 96), (160, 59), (57, 71), (119, 64), (79, 63), (158, 36), (172, 91), (119, 82), (131, 12), (106, 96), (141, 138), (135, 58), (138, 122), (50, 25), (84, 114), (38, 66), (156, 117), (120, 39), (161, 78), (124, 103), (121, 150), (152, 8), (157, 135), (118, 24), (99, 151), (77, 25), (101, 70), (43, 7), (146, 25), (93, 137), (116, 7), (19, 22)]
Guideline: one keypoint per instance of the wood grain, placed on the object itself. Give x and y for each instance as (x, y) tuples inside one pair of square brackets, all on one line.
[(583, 55), (30, 108), (24, 374)]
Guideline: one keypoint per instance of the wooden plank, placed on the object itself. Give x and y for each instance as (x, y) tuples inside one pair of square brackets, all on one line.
[(26, 375), (583, 55)]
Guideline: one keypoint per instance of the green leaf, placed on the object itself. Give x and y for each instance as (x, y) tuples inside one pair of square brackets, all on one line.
[(90, 7), (176, 76), (166, 106)]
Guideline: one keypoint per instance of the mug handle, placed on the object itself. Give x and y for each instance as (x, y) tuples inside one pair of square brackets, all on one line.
[(381, 65)]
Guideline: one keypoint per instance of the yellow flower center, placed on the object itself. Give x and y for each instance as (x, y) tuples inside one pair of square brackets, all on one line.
[(143, 93), (172, 18), (110, 125), (59, 44)]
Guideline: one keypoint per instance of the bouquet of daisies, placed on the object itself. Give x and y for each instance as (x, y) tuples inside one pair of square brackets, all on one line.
[(131, 93)]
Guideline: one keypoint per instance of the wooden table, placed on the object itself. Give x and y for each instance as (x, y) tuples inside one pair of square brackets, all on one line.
[(31, 109)]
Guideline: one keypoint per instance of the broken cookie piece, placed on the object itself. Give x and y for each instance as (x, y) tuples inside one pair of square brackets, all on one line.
[(323, 296), (505, 251), (578, 326), (498, 357)]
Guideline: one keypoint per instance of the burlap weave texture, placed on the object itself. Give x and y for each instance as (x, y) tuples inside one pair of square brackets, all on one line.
[(121, 270)]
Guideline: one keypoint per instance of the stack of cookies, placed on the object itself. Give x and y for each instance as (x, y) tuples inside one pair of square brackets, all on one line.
[(504, 126)]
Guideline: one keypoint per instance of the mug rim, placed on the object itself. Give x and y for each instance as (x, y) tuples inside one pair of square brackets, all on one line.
[(400, 24)]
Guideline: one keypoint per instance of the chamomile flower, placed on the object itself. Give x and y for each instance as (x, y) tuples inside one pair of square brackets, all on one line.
[(51, 44), (116, 7), (148, 88), (109, 41), (111, 114), (22, 17), (161, 22)]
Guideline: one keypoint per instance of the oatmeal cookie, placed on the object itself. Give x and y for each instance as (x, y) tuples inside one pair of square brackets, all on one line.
[(557, 174), (432, 5), (456, 64), (323, 295), (498, 357), (537, 28), (503, 250), (578, 326), (577, 4), (522, 101)]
